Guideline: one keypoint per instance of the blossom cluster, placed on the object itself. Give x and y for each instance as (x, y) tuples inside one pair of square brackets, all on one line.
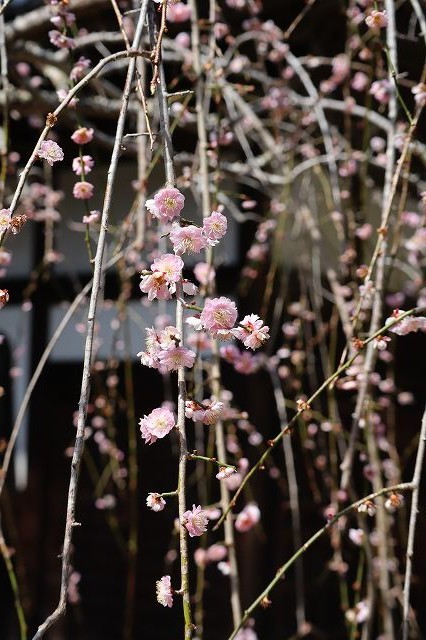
[(62, 21), (163, 351), (82, 165), (167, 205), (192, 239), (218, 318)]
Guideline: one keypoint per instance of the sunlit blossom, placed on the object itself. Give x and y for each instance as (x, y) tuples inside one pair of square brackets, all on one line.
[(187, 239), (156, 424), (218, 316), (166, 204), (173, 359), (166, 271), (251, 331), (214, 227)]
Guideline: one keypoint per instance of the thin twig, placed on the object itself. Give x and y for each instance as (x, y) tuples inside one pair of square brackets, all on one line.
[(5, 552), (412, 527), (293, 490)]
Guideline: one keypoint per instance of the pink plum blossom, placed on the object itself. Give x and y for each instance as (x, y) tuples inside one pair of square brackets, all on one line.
[(220, 30), (83, 164), (419, 93), (340, 68), (62, 94), (61, 41), (183, 39), (218, 316), (195, 521), (4, 299), (82, 135), (173, 359), (156, 341), (243, 362), (178, 12), (189, 288), (77, 72), (161, 283), (368, 507), (164, 591), (214, 227), (188, 239), (246, 634), (407, 325), (394, 502), (92, 217), (360, 81), (364, 231), (356, 536), (155, 502), (5, 218), (251, 332), (247, 518), (83, 190), (204, 273), (377, 144), (166, 204), (214, 553), (170, 266), (208, 412), (225, 472), (155, 286), (380, 342), (50, 151), (381, 90), (64, 19), (377, 20), (23, 69), (156, 424)]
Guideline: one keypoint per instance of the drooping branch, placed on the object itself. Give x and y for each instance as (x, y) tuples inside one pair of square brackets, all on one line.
[(71, 522)]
